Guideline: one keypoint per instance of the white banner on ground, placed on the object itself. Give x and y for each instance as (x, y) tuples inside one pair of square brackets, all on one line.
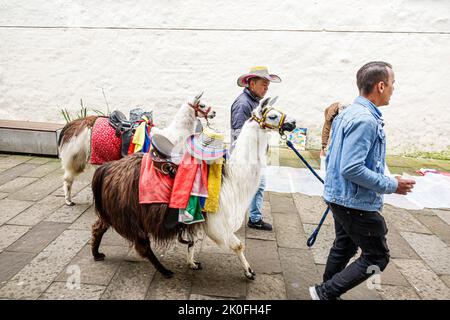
[(431, 191)]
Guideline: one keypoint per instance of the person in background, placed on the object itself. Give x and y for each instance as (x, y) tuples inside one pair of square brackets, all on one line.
[(255, 84), (330, 113)]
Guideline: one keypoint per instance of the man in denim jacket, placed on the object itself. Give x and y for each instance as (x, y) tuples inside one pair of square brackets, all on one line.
[(355, 184)]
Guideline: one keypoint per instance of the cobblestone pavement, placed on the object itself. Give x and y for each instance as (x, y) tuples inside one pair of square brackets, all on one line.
[(44, 244)]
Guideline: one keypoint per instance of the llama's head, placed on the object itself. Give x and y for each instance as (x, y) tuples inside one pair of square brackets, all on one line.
[(201, 110), (270, 118)]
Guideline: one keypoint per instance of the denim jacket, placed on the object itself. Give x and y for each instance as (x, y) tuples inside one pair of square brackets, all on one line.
[(356, 159)]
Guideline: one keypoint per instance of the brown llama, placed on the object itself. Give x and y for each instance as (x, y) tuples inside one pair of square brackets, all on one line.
[(116, 193)]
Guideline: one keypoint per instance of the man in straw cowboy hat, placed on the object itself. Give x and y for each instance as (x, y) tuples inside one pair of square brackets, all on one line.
[(256, 84)]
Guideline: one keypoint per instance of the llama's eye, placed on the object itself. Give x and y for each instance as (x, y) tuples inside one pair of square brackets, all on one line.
[(273, 117)]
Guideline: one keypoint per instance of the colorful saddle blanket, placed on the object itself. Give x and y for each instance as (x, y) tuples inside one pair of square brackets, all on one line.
[(188, 191)]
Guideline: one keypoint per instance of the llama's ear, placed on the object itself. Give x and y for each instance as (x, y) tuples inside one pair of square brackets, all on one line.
[(265, 103), (197, 98), (259, 110), (273, 100)]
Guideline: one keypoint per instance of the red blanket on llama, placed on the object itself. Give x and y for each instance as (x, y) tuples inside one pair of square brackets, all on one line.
[(105, 145)]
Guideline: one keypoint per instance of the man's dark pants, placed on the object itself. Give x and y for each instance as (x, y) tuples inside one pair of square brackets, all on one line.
[(354, 228)]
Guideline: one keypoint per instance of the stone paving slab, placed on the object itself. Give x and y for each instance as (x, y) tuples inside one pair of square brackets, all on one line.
[(431, 249), (289, 231), (252, 233), (68, 214), (85, 196), (11, 174), (202, 297), (130, 282), (444, 215), (40, 189), (221, 276), (426, 283), (399, 247), (267, 287), (324, 242), (16, 184), (402, 220), (12, 161), (392, 276), (11, 263), (35, 277), (38, 211), (263, 256), (299, 272), (96, 272), (10, 233), (282, 203), (42, 170), (446, 279), (86, 220), (179, 286), (11, 208), (388, 292), (40, 160), (311, 209), (60, 291), (39, 237), (437, 226)]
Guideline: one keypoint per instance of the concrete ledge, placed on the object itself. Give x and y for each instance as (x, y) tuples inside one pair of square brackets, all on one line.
[(39, 138)]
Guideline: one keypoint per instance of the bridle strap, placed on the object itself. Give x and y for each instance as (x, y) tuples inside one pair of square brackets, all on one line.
[(197, 110), (262, 121)]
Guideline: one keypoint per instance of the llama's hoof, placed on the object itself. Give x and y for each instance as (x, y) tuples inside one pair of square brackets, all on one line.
[(250, 274), (99, 257), (196, 266), (167, 274), (70, 203)]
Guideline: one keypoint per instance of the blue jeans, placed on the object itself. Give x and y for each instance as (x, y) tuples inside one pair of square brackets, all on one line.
[(257, 203)]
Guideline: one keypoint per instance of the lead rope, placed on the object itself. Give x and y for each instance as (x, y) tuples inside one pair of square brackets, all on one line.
[(313, 236)]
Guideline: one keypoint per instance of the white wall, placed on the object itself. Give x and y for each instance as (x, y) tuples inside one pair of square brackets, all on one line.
[(160, 53)]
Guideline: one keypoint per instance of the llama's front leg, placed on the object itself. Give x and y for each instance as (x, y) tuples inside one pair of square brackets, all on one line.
[(194, 265), (238, 247), (68, 181)]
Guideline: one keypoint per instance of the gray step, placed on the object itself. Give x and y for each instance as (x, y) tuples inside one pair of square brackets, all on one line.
[(29, 137)]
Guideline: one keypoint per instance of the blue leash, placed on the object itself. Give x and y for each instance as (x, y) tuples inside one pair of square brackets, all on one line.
[(313, 236)]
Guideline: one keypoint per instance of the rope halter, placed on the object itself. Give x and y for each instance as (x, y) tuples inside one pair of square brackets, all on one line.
[(263, 124), (198, 109)]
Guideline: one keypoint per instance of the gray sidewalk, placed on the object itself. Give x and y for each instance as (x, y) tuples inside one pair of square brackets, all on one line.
[(44, 243)]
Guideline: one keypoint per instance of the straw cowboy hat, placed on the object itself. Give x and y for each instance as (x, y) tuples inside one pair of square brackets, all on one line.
[(261, 72), (207, 145)]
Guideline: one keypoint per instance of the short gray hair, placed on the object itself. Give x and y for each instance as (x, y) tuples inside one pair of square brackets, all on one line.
[(370, 74)]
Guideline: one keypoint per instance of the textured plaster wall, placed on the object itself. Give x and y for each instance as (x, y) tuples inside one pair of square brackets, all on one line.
[(160, 53)]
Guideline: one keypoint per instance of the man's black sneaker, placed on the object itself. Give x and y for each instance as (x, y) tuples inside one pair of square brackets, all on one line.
[(259, 225)]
